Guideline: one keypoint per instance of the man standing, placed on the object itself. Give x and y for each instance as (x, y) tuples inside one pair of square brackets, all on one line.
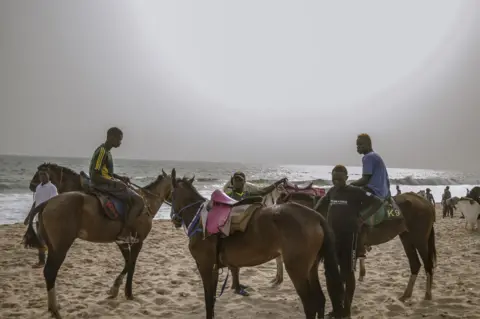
[(398, 190), (44, 191), (238, 181), (430, 197), (104, 179), (343, 204), (447, 210)]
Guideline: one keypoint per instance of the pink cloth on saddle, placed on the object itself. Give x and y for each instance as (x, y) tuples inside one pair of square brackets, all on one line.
[(220, 212), (310, 189), (219, 196)]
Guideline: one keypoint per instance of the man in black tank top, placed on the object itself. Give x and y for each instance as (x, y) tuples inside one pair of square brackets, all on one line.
[(343, 204)]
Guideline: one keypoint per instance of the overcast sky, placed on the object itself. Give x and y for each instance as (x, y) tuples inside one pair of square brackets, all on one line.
[(256, 81)]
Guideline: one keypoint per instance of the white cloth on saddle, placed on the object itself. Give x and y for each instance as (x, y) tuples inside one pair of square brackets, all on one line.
[(44, 192)]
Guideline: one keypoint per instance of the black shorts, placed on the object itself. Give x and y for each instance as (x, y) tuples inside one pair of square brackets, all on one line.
[(346, 248)]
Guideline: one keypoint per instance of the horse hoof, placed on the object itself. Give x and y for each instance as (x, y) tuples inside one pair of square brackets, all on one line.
[(403, 298), (360, 278), (113, 292), (55, 314), (428, 297), (129, 297)]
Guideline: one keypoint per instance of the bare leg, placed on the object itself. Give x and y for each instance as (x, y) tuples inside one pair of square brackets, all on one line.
[(239, 289)]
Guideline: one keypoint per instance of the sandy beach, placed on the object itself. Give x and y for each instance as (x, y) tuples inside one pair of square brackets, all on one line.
[(167, 285)]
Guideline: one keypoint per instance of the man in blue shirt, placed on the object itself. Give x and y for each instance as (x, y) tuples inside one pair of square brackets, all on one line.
[(374, 179), (374, 172)]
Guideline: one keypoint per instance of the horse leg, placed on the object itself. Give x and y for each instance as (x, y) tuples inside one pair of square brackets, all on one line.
[(113, 292), (316, 291), (239, 289), (428, 253), (210, 280), (279, 276), (414, 263), (134, 251), (55, 260), (297, 270)]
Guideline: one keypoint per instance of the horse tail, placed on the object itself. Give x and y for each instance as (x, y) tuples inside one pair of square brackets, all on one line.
[(327, 252), (432, 250), (30, 239)]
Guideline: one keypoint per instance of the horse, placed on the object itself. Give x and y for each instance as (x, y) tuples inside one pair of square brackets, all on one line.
[(469, 207), (270, 199), (416, 233), (296, 232), (76, 214)]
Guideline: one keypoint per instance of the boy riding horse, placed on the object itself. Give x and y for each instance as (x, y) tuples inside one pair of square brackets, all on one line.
[(374, 179)]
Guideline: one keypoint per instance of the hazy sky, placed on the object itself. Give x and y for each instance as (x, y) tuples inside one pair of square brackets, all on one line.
[(258, 81)]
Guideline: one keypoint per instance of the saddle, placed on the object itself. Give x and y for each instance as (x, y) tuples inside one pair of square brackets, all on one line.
[(226, 216), (113, 207), (387, 211), (309, 189)]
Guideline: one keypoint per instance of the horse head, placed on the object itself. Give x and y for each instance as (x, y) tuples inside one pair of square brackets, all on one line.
[(186, 200), (60, 176)]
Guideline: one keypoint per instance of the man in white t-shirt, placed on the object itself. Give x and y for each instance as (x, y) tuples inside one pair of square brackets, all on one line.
[(44, 191)]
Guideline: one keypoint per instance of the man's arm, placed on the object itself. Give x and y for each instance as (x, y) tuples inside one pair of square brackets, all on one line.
[(27, 219), (363, 181), (367, 172)]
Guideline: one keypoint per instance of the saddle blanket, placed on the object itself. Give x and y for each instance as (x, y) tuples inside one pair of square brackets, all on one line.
[(386, 212), (225, 219), (113, 207)]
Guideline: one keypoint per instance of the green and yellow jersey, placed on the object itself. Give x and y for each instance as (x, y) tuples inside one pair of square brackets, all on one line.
[(102, 162)]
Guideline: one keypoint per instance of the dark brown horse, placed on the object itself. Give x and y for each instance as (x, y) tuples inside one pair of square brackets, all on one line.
[(294, 231), (416, 233), (74, 214)]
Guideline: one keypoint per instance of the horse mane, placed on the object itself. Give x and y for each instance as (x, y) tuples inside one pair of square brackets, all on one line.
[(152, 184), (56, 166)]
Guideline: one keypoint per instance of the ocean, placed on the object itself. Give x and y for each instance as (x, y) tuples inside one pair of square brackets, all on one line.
[(17, 171)]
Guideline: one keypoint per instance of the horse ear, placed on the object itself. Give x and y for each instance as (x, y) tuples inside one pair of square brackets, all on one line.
[(191, 180), (174, 177), (163, 173)]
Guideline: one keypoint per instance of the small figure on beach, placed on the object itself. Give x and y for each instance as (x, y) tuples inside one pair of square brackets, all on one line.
[(104, 179), (238, 191), (342, 205), (447, 209), (44, 191), (398, 190), (428, 194)]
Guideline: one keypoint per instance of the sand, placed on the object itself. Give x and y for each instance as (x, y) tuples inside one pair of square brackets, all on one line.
[(167, 285)]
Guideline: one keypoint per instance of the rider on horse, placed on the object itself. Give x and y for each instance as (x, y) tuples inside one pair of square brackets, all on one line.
[(104, 179), (238, 192)]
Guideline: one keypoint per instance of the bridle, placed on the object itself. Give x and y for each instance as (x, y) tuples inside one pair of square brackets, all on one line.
[(176, 217)]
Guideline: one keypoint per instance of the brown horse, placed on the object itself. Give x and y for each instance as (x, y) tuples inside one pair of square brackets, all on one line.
[(294, 231), (75, 214), (416, 233)]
